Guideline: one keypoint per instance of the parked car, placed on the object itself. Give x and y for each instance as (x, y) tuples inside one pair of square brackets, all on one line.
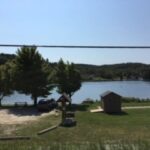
[(46, 105), (52, 104)]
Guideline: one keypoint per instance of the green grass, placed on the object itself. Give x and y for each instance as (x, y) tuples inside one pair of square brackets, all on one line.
[(140, 103), (136, 104), (94, 131)]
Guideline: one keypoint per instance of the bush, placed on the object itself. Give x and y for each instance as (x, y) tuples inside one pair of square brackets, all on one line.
[(133, 99), (88, 101)]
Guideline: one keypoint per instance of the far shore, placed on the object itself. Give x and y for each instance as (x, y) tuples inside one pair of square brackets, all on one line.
[(125, 100)]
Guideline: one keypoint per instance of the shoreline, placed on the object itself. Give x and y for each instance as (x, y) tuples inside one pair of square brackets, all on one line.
[(105, 80), (124, 100)]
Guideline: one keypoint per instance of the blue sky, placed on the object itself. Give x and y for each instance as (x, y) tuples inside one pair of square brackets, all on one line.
[(78, 22)]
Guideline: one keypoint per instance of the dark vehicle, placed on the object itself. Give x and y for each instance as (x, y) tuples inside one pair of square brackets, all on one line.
[(52, 104), (46, 105)]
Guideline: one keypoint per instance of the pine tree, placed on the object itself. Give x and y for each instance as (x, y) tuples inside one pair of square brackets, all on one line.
[(5, 81), (32, 74), (68, 78)]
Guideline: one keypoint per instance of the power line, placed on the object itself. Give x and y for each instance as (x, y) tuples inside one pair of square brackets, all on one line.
[(78, 46)]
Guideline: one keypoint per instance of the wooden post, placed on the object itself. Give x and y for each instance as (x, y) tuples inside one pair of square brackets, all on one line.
[(46, 130), (63, 111)]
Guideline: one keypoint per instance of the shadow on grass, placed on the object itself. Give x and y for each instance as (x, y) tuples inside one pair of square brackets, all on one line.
[(122, 113), (24, 111)]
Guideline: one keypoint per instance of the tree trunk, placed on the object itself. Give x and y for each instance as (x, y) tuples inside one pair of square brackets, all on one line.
[(70, 95), (35, 101), (0, 102)]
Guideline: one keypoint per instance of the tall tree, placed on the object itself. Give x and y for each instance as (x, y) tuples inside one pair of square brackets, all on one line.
[(5, 81), (32, 73), (68, 78), (61, 75), (74, 79)]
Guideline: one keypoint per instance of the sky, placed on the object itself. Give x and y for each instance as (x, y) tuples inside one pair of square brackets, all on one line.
[(78, 22)]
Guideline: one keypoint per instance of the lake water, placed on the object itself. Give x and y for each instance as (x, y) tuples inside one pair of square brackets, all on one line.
[(93, 90)]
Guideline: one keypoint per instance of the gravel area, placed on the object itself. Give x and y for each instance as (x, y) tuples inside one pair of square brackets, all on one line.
[(21, 115)]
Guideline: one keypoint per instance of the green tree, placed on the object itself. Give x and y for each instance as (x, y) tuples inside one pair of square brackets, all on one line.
[(32, 74), (5, 81), (61, 76), (68, 78), (74, 79)]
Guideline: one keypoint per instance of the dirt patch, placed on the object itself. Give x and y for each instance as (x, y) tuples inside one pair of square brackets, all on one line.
[(21, 115)]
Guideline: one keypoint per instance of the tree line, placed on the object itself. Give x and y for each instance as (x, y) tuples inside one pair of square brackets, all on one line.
[(29, 73), (123, 71)]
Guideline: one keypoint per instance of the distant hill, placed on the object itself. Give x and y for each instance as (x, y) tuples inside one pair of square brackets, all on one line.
[(123, 71), (5, 57)]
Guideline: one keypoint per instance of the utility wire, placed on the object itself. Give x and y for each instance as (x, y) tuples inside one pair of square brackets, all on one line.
[(77, 46)]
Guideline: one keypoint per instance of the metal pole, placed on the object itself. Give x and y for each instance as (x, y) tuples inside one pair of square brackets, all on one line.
[(78, 46)]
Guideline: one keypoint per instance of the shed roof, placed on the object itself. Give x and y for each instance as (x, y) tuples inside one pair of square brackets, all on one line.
[(109, 93)]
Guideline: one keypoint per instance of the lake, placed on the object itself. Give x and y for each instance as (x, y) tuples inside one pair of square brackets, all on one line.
[(93, 90)]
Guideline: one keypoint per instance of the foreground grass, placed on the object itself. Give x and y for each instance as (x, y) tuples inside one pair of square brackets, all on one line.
[(81, 146), (94, 131)]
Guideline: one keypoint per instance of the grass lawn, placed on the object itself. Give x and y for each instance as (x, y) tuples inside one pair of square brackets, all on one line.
[(124, 104), (136, 104), (93, 131)]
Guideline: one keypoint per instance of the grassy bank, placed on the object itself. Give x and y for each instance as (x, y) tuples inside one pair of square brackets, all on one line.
[(93, 131), (126, 101)]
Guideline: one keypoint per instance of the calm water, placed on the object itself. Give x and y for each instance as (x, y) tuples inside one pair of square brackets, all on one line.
[(140, 89)]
